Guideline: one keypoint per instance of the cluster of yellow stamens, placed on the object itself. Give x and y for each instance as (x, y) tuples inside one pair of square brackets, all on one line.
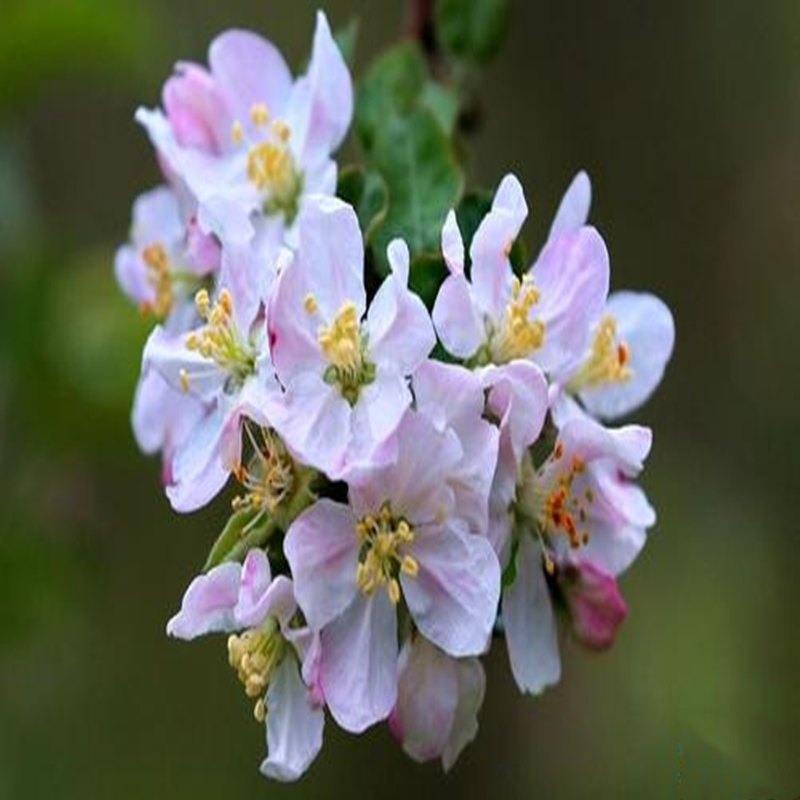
[(563, 509), (269, 477), (254, 655), (609, 361), (159, 278), (341, 340), (518, 335), (344, 347), (218, 339), (382, 538), (270, 165)]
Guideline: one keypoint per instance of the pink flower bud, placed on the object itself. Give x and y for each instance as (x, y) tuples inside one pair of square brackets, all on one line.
[(594, 603)]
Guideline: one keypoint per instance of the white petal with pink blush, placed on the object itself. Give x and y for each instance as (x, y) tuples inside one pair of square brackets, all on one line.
[(350, 368)]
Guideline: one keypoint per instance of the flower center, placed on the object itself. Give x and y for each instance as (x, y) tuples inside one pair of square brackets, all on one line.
[(381, 558), (269, 477), (607, 363), (344, 346), (159, 279), (518, 335), (219, 341), (254, 655), (557, 506), (270, 166)]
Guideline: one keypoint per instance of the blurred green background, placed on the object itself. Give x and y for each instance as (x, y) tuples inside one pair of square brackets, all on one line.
[(687, 115)]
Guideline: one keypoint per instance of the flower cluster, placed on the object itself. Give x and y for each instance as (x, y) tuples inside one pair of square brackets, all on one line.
[(408, 482)]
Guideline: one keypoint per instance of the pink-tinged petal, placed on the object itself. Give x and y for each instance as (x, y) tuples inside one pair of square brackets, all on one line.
[(131, 274), (510, 199), (451, 396), (518, 399), (572, 276), (309, 648), (399, 327), (322, 550), (198, 472), (162, 415), (491, 245), (413, 482), (457, 320), (256, 578), (613, 545), (292, 330), (196, 109), (399, 260), (471, 691), (202, 250), (259, 397), (530, 624), (157, 218), (453, 244), (294, 724), (225, 208), (315, 422), (563, 407), (499, 533), (595, 605), (258, 600), (321, 105), (628, 445), (645, 325), (208, 604), (331, 255), (319, 178), (184, 370), (573, 211), (249, 70), (358, 670), (248, 273), (376, 416), (453, 599), (427, 698), (472, 481), (156, 221)]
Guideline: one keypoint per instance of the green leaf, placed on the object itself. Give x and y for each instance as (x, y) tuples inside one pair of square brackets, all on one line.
[(428, 271), (367, 192), (471, 29), (425, 181), (510, 571), (347, 38), (442, 102), (390, 89), (243, 526)]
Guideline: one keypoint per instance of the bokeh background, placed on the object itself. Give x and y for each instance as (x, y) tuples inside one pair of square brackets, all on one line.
[(687, 115)]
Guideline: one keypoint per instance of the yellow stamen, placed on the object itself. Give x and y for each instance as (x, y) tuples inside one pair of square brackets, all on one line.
[(183, 378), (609, 361), (564, 508), (270, 167), (341, 340), (518, 335), (381, 560), (310, 304), (255, 655), (159, 278), (218, 339), (237, 133), (281, 130), (259, 114), (269, 477)]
